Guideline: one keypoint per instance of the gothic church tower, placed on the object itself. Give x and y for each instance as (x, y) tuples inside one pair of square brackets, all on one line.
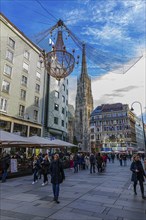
[(84, 106)]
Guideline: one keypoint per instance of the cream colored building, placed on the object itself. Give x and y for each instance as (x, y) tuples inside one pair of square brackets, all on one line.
[(21, 82), (31, 102)]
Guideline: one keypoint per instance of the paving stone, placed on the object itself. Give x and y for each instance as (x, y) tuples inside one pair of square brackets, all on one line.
[(83, 196)]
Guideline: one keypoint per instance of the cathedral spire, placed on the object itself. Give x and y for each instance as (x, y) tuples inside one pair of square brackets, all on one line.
[(84, 64)]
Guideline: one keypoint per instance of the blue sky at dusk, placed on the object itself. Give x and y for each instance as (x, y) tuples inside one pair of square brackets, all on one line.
[(115, 35)]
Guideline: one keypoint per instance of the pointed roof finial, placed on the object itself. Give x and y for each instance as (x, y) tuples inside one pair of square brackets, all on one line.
[(84, 64)]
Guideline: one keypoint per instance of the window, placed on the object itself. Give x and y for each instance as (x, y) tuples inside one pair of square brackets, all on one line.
[(5, 86), (39, 64), (25, 67), (23, 94), (37, 88), (92, 137), (36, 101), (38, 76), (21, 110), (63, 87), (35, 115), (62, 123), (24, 80), (63, 110), (26, 54), (56, 120), (63, 98), (9, 56), (11, 43), (56, 94), (66, 102), (3, 104), (92, 130), (8, 70), (67, 92), (56, 107)]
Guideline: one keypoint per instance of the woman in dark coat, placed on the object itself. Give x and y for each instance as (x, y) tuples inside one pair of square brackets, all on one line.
[(57, 176), (138, 174)]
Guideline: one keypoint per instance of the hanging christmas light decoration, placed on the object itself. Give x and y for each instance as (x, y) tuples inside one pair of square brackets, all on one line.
[(59, 63)]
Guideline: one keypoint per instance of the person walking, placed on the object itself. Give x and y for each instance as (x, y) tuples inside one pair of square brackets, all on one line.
[(138, 174), (99, 161), (121, 159), (36, 166), (5, 163), (92, 163), (45, 169), (57, 176)]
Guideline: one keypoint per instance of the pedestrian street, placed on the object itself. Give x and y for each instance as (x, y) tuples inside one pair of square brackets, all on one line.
[(105, 196)]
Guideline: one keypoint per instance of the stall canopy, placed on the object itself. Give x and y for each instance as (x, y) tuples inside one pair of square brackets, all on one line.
[(7, 138), (63, 143), (11, 138), (49, 142), (41, 141)]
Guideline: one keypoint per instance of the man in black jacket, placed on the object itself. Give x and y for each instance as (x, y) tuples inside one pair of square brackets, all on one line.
[(5, 163), (57, 176)]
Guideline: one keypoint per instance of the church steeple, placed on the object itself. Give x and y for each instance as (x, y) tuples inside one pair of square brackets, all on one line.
[(84, 105), (84, 64)]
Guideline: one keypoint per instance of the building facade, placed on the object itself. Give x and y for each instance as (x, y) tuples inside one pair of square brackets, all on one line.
[(139, 134), (112, 127), (57, 108), (83, 106), (31, 102), (71, 123), (21, 84)]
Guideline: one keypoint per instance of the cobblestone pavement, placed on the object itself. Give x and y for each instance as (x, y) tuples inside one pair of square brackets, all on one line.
[(105, 196)]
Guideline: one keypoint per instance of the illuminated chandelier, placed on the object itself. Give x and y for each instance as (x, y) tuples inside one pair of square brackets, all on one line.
[(59, 63)]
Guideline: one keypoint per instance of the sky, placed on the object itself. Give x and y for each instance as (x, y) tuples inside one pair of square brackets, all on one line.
[(114, 32)]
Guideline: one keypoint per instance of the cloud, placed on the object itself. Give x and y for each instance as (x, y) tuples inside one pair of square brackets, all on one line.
[(126, 89)]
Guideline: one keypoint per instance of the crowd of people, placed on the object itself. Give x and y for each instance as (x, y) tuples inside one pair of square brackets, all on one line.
[(45, 164)]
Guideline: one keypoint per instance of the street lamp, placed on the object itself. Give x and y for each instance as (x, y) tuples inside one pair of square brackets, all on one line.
[(132, 109)]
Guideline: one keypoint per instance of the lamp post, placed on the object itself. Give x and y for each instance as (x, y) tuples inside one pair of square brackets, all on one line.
[(142, 124)]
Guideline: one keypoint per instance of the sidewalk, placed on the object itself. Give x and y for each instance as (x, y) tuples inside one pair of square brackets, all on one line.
[(83, 196)]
